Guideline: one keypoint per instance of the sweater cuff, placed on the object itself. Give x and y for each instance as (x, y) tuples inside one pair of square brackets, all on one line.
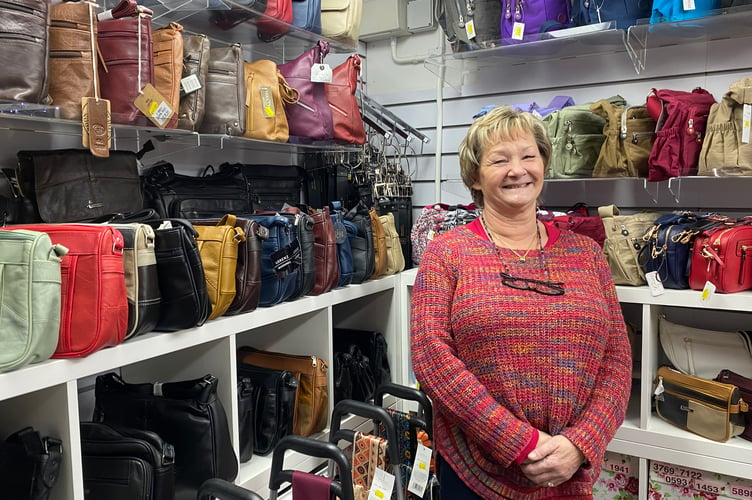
[(530, 446)]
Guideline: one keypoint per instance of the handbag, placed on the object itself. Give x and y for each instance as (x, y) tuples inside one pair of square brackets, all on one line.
[(218, 247), (94, 305), (212, 194), (623, 14), (312, 397), (703, 353), (340, 20), (310, 117), (73, 56), (306, 15), (372, 344), (470, 25), (269, 27), (227, 16), (24, 56), (436, 219), (724, 151), (624, 242), (674, 10), (168, 66), (124, 35), (72, 185), (271, 187), (720, 256), (629, 135), (280, 259), (325, 251), (193, 83), (365, 243), (186, 413), (576, 219), (274, 394), (30, 294), (711, 409), (267, 94), (745, 391), (380, 257), (246, 412), (126, 463), (29, 464), (224, 101), (361, 259), (524, 20), (395, 261), (305, 232), (345, 263), (681, 118), (347, 122), (352, 370)]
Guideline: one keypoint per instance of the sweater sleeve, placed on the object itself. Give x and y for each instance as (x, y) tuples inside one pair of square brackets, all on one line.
[(606, 408), (456, 392)]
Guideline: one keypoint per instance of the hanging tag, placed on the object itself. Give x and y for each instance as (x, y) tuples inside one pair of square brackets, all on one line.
[(470, 29), (152, 104), (746, 118), (321, 73), (189, 84), (518, 31), (267, 102), (420, 473), (96, 126), (708, 291), (688, 4), (654, 283), (381, 486)]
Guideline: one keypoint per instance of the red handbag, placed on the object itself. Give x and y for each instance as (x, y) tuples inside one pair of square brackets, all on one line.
[(94, 305), (578, 220), (347, 122), (722, 256), (268, 27)]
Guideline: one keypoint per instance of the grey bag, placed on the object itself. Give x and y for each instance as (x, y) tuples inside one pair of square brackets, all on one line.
[(30, 288), (470, 24), (224, 107), (195, 62)]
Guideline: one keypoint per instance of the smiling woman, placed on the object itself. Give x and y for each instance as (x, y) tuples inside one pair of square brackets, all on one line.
[(517, 334)]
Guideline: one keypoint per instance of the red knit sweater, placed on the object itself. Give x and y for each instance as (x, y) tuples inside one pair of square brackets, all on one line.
[(499, 362)]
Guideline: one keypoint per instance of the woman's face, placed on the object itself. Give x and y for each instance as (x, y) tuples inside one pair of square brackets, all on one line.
[(511, 173)]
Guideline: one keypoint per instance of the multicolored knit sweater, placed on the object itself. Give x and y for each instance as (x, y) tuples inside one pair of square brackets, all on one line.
[(499, 362)]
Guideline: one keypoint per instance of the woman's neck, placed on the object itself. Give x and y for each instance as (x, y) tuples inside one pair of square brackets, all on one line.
[(516, 231)]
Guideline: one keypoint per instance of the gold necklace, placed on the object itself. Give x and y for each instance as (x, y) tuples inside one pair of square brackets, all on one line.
[(520, 257)]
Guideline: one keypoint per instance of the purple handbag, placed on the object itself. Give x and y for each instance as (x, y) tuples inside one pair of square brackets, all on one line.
[(310, 117), (525, 20)]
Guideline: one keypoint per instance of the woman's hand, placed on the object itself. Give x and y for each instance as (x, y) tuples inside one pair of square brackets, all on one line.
[(553, 461)]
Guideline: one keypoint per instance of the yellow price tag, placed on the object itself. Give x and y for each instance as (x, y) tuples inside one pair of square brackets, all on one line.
[(379, 493)]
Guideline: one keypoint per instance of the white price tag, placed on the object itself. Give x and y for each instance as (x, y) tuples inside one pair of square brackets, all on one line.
[(189, 84), (421, 470), (381, 486), (161, 113), (518, 31), (321, 73), (470, 29), (688, 4), (654, 283), (707, 292), (746, 118)]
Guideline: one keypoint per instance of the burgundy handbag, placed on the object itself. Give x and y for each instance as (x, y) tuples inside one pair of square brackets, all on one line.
[(124, 35), (578, 220), (310, 117), (347, 122)]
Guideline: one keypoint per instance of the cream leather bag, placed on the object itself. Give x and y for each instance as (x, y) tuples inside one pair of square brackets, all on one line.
[(395, 260), (340, 20)]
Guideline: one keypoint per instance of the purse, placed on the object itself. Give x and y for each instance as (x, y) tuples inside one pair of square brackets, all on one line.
[(168, 66), (218, 246), (224, 101), (310, 117), (30, 294), (94, 305), (246, 412), (624, 242), (703, 353), (623, 14), (328, 272), (345, 263), (372, 344), (483, 17), (312, 397), (340, 20), (186, 413), (29, 464), (720, 256), (745, 391), (306, 15), (124, 35), (380, 258), (126, 463), (711, 409), (536, 17), (436, 219), (268, 27), (193, 83), (365, 243), (280, 259), (576, 219), (271, 187), (664, 11), (359, 252), (347, 122), (267, 94), (24, 56), (304, 227), (72, 185), (395, 261), (353, 375), (629, 133)]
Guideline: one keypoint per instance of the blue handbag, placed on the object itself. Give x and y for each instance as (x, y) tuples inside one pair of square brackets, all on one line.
[(624, 12), (673, 10), (280, 259), (306, 15), (344, 250)]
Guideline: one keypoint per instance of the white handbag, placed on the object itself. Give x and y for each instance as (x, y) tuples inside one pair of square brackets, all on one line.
[(704, 353), (340, 20)]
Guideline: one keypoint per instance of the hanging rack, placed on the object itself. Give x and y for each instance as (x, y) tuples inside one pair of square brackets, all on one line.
[(379, 117)]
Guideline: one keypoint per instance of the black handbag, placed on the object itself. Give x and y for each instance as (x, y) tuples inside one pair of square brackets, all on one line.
[(29, 465), (72, 185), (372, 344), (187, 414), (353, 375), (302, 224), (361, 217), (271, 186), (246, 409), (125, 463), (210, 195), (275, 392)]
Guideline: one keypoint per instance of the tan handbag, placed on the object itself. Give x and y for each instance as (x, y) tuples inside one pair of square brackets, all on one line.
[(218, 247), (379, 244), (395, 259), (624, 242), (312, 398), (195, 66), (267, 93), (168, 65), (340, 20), (629, 135)]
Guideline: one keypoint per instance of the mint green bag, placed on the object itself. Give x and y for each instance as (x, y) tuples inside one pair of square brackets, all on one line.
[(30, 284)]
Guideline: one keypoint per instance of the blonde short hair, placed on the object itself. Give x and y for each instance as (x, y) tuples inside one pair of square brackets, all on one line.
[(502, 123)]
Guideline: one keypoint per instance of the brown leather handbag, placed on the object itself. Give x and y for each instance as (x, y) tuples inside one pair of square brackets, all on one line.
[(195, 66), (168, 65), (124, 35), (73, 60), (379, 244), (224, 109), (347, 121), (312, 397), (267, 94), (24, 57), (325, 251)]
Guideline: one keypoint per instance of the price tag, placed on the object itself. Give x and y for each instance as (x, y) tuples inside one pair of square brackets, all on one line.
[(654, 283), (421, 468), (710, 487), (746, 118), (518, 31), (321, 73), (152, 104), (740, 490), (267, 102), (708, 291), (470, 29), (381, 486), (190, 84), (688, 4)]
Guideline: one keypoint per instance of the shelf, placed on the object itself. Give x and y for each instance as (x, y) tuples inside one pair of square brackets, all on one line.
[(740, 301)]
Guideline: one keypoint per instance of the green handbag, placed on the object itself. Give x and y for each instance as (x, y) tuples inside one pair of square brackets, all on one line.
[(30, 284)]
